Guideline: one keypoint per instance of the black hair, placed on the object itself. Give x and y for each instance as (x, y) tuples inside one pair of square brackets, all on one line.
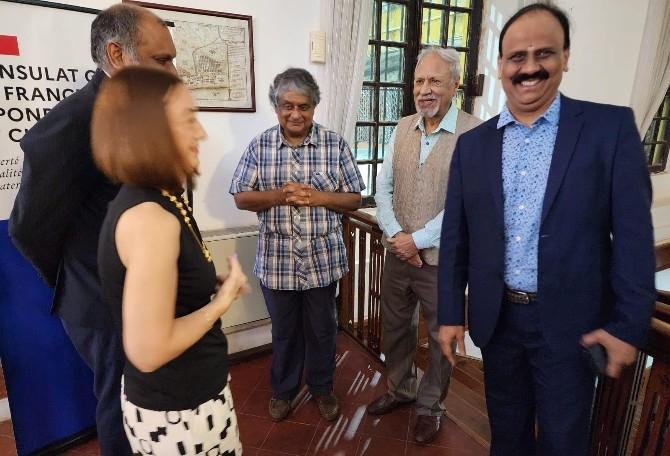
[(555, 11)]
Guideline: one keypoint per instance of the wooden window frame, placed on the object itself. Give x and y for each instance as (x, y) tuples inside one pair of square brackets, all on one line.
[(411, 48)]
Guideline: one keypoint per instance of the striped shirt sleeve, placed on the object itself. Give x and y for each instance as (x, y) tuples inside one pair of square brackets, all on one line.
[(351, 180)]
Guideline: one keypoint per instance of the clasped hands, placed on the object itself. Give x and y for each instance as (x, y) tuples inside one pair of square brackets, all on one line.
[(297, 194), (402, 246)]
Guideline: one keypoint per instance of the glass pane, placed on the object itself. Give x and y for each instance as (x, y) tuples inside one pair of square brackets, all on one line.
[(390, 103), (437, 2), (365, 106), (384, 145), (391, 64), (366, 172), (369, 74), (459, 99), (463, 57), (660, 150), (432, 24), (462, 3), (663, 131), (651, 132), (363, 145), (457, 35), (393, 22), (373, 24)]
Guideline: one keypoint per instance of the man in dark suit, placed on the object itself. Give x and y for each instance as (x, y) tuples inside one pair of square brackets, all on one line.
[(547, 221), (63, 198)]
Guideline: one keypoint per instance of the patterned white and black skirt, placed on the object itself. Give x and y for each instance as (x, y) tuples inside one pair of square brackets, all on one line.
[(210, 429)]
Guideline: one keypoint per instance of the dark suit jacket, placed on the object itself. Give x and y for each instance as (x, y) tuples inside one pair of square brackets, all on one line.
[(60, 207), (595, 253)]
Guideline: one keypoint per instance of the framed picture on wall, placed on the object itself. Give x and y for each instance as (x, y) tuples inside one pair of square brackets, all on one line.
[(215, 55)]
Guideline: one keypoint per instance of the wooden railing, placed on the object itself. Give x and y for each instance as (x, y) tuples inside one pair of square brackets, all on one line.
[(360, 290), (631, 415)]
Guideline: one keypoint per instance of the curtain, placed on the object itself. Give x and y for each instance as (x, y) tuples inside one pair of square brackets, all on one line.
[(653, 71), (345, 62)]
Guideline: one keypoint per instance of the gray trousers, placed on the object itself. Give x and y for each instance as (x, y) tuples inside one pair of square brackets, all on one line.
[(403, 286)]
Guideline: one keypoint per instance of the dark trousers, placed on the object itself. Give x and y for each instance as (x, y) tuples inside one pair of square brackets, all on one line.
[(403, 287), (303, 336), (527, 380), (101, 350)]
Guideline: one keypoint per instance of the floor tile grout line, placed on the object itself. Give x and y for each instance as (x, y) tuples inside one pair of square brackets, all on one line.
[(267, 435), (309, 445), (316, 429)]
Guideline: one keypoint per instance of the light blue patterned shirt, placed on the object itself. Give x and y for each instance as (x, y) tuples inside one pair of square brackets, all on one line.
[(429, 235), (526, 158)]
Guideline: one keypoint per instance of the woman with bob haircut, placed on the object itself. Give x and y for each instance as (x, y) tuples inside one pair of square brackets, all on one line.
[(157, 274)]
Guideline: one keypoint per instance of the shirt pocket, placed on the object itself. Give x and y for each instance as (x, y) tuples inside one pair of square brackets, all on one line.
[(324, 181)]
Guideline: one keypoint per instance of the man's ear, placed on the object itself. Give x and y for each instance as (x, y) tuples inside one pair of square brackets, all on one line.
[(114, 56), (566, 57)]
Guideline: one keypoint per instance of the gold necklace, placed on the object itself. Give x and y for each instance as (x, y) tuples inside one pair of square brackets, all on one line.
[(185, 210)]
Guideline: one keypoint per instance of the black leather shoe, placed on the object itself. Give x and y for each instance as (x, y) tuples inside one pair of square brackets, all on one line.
[(426, 428), (386, 403)]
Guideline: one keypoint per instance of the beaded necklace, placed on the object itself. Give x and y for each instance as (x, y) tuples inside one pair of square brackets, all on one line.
[(183, 207)]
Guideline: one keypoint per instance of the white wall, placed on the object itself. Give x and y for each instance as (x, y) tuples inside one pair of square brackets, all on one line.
[(281, 39), (605, 43), (606, 40)]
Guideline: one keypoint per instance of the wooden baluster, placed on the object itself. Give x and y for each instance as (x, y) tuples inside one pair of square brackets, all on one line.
[(374, 303), (362, 257), (653, 434), (615, 407), (346, 312)]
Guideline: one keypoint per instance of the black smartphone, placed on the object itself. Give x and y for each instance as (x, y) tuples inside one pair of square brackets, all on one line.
[(597, 357)]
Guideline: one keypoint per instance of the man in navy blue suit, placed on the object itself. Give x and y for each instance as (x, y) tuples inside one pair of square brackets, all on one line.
[(63, 199), (547, 221)]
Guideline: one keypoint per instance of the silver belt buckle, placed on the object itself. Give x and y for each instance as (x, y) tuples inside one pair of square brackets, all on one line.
[(524, 297)]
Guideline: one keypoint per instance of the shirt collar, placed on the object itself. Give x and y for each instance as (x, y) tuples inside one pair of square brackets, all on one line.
[(448, 122), (551, 115), (311, 138)]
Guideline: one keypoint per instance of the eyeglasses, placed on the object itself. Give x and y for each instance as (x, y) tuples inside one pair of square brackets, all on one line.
[(288, 108)]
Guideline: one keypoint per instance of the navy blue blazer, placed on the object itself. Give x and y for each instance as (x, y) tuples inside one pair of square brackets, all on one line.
[(596, 248), (62, 201)]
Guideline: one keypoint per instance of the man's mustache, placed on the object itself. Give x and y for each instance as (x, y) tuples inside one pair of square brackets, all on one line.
[(540, 74)]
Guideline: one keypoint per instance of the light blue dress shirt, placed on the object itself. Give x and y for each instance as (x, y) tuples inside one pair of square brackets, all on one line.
[(429, 235), (526, 158)]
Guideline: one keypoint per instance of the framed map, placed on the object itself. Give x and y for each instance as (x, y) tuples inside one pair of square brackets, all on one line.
[(215, 56)]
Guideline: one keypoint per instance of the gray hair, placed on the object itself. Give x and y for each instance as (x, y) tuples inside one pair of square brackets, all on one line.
[(117, 24), (449, 55), (297, 80)]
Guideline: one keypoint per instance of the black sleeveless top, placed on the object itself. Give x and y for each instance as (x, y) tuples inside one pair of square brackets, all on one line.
[(200, 372)]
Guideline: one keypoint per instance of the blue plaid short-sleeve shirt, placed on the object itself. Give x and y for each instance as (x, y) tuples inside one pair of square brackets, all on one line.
[(299, 248)]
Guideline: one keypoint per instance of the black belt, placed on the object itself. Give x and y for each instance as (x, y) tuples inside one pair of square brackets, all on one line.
[(519, 297)]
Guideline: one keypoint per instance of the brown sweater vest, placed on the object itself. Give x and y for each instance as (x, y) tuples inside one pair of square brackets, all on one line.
[(419, 191)]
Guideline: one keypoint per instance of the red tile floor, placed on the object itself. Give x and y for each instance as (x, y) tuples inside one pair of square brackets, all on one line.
[(358, 379)]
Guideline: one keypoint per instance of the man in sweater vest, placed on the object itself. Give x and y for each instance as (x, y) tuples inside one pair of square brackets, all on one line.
[(410, 198)]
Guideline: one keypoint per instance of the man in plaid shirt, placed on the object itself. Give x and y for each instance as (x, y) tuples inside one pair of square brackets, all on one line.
[(299, 177)]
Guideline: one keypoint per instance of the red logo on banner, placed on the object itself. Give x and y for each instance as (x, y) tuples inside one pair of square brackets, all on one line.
[(9, 45)]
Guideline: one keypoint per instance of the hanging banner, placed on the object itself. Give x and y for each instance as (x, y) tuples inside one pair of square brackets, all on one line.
[(44, 57)]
